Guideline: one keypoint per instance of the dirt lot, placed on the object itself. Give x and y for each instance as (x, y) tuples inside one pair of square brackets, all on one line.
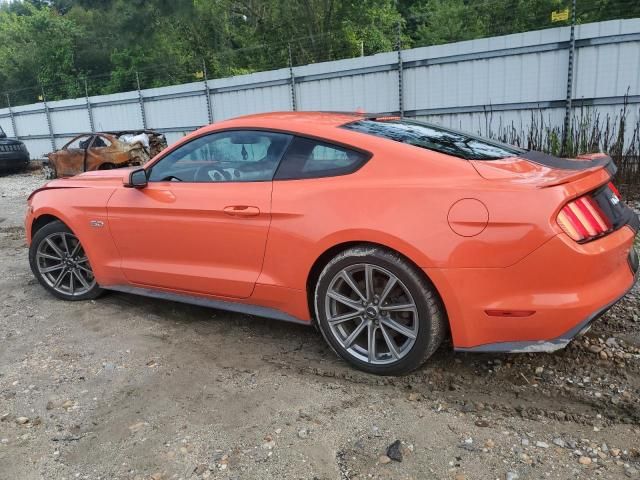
[(133, 388)]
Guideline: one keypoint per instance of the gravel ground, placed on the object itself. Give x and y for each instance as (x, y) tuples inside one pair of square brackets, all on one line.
[(133, 388)]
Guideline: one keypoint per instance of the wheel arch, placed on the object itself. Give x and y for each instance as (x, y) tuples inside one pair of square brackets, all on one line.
[(44, 215), (43, 220), (328, 254), (85, 285)]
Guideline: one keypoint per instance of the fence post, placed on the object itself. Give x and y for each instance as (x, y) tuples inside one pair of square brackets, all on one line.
[(89, 111), (292, 82), (567, 107), (206, 92), (49, 124), (400, 71), (13, 119), (141, 102)]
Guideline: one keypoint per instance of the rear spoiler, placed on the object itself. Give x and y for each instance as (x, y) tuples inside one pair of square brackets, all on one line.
[(580, 167)]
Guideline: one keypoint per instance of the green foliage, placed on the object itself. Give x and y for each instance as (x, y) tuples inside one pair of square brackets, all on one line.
[(37, 47), (54, 45)]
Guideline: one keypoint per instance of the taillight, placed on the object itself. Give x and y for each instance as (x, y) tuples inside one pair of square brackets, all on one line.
[(583, 220)]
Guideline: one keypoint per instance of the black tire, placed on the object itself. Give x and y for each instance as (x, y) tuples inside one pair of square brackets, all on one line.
[(428, 317), (40, 236)]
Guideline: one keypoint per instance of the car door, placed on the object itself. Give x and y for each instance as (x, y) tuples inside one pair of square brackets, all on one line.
[(70, 159), (201, 223), (101, 155)]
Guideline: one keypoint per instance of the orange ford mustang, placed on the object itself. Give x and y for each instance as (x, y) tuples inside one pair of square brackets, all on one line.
[(385, 233)]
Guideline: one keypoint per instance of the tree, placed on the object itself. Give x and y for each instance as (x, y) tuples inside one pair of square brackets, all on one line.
[(58, 43), (37, 49)]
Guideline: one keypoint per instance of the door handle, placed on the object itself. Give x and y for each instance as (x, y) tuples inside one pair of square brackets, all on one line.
[(242, 211)]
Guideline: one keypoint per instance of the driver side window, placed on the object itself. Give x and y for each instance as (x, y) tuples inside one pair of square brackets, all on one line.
[(233, 156)]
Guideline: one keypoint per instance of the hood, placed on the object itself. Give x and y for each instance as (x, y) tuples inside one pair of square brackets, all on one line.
[(100, 178), (10, 141), (115, 176), (541, 169), (118, 173)]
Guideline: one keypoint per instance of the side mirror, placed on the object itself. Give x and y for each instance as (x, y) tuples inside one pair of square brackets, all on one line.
[(137, 179)]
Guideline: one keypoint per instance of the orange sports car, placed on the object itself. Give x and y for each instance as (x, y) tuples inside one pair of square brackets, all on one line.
[(385, 233)]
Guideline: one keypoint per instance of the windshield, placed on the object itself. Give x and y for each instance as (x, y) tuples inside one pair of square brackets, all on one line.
[(438, 139)]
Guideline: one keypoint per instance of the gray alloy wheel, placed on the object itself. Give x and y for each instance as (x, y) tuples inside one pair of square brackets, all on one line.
[(378, 311), (371, 313), (61, 265)]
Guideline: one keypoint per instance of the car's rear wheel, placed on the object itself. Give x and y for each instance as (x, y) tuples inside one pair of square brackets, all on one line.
[(378, 311), (61, 265)]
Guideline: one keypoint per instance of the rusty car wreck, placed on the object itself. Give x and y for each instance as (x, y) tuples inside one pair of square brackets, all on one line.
[(104, 151)]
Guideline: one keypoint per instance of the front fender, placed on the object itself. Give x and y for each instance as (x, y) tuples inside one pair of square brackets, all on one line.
[(84, 211)]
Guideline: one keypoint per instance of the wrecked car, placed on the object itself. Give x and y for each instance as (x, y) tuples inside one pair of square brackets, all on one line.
[(104, 151)]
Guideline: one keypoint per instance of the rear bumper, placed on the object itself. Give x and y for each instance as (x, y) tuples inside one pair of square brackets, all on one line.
[(566, 285), (547, 345)]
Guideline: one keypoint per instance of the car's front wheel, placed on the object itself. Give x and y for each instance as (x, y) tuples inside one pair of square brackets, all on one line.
[(61, 265), (378, 311)]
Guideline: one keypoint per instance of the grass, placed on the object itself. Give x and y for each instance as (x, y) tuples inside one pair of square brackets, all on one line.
[(590, 132)]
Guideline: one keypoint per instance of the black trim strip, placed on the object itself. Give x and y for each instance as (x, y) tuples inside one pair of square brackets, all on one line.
[(618, 213), (209, 303)]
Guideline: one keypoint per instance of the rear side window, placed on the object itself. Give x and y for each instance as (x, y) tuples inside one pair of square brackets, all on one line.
[(100, 141), (307, 158), (438, 139)]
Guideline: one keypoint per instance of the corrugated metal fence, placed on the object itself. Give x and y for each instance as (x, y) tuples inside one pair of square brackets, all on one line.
[(454, 84)]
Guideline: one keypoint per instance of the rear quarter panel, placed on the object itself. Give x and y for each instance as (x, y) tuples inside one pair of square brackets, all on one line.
[(401, 199)]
